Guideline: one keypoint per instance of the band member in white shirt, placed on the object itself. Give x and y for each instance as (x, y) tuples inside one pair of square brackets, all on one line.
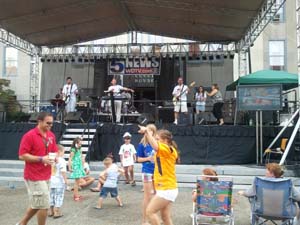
[(179, 93), (70, 91), (116, 90)]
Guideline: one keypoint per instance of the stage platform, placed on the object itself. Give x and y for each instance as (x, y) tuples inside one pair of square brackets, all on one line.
[(198, 144)]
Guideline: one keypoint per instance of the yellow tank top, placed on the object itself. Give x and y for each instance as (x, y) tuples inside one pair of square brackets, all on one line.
[(164, 172)]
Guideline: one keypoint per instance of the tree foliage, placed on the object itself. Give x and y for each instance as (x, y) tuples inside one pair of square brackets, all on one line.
[(8, 100)]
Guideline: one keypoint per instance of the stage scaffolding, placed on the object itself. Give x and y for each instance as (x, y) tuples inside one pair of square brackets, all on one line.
[(265, 15), (263, 18)]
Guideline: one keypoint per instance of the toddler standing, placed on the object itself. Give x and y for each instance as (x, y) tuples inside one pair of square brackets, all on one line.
[(58, 184), (110, 185)]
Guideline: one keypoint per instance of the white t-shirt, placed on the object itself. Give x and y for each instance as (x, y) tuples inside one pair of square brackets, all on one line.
[(128, 151), (116, 89), (179, 89), (200, 98), (57, 180), (68, 91), (112, 176)]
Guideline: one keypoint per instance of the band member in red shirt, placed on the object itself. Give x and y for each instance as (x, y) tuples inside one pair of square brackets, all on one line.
[(38, 149)]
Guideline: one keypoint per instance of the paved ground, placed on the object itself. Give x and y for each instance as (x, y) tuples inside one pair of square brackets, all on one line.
[(14, 203)]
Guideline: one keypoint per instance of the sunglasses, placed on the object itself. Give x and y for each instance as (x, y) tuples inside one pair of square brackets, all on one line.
[(49, 123), (127, 138)]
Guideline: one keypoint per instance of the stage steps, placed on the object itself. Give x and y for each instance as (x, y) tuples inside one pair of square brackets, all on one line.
[(11, 173), (72, 132)]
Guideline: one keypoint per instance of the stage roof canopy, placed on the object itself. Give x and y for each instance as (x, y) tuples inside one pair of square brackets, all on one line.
[(63, 22)]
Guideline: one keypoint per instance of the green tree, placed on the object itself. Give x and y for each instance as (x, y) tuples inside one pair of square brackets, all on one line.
[(8, 101)]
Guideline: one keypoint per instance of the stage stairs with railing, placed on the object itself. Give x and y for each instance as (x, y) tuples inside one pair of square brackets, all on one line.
[(73, 131), (11, 173)]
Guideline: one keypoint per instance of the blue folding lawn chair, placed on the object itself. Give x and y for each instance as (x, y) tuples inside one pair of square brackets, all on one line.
[(213, 204), (272, 201)]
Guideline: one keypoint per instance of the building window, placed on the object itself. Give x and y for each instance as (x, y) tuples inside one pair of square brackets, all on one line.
[(279, 17), (10, 62), (277, 55)]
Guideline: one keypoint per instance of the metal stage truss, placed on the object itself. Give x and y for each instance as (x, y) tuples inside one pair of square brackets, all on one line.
[(264, 16), (163, 49)]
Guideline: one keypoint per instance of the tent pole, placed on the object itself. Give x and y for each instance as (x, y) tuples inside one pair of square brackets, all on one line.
[(249, 61)]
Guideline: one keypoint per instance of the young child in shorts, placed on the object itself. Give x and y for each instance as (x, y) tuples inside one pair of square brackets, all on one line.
[(58, 183), (110, 185)]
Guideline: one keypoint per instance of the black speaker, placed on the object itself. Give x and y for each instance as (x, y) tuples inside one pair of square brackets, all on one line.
[(33, 117), (74, 117), (165, 114), (145, 118), (185, 119)]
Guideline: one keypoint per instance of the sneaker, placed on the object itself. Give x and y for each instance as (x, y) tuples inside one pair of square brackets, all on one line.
[(133, 183)]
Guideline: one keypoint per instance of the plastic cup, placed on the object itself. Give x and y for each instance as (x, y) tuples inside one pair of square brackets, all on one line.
[(52, 155)]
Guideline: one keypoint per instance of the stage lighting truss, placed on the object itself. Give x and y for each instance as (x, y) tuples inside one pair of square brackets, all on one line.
[(92, 53)]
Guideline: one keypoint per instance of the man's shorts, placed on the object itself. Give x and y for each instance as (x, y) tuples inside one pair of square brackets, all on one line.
[(147, 177), (38, 193), (105, 190), (181, 107)]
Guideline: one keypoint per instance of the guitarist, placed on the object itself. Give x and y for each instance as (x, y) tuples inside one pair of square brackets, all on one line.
[(69, 92), (179, 93)]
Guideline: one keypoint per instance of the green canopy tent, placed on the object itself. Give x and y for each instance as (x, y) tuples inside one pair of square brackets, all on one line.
[(288, 80)]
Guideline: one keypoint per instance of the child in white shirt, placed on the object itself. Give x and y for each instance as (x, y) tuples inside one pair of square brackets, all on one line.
[(58, 183), (128, 157)]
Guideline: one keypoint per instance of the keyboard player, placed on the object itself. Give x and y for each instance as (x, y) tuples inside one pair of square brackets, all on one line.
[(116, 90)]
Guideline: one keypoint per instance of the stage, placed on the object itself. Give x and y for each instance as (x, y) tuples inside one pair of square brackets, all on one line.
[(198, 144)]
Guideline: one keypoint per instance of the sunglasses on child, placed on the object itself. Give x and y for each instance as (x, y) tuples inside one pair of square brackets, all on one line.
[(127, 138)]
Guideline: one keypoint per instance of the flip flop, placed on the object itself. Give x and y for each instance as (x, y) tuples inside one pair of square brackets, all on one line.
[(94, 190), (95, 207), (58, 216)]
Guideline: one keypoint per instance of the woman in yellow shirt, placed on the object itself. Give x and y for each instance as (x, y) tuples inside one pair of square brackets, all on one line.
[(165, 182)]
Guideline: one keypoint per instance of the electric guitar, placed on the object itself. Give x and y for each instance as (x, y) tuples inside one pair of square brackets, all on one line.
[(176, 98)]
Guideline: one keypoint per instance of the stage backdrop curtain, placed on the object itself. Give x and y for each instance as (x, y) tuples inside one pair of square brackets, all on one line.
[(11, 134), (197, 144)]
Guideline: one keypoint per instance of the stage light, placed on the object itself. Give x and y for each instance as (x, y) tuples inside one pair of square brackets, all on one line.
[(60, 60), (72, 60), (218, 57), (42, 60), (225, 56), (66, 60), (86, 60), (198, 58), (204, 57), (54, 60), (80, 59), (231, 56), (48, 60), (211, 57)]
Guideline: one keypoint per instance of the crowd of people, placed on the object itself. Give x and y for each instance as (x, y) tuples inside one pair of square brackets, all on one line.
[(156, 151), (46, 176)]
